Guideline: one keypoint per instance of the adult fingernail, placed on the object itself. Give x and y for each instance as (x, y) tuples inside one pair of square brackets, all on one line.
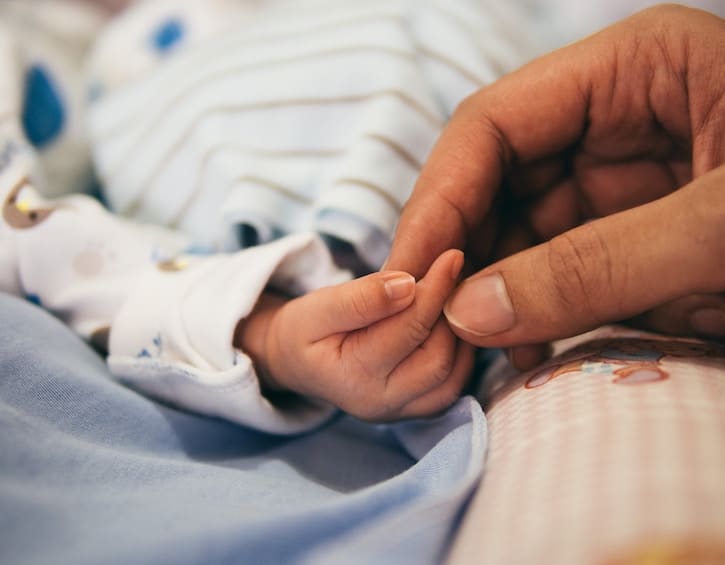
[(399, 285), (708, 321), (481, 306)]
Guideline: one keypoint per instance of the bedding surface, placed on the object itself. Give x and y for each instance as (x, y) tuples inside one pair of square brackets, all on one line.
[(92, 472)]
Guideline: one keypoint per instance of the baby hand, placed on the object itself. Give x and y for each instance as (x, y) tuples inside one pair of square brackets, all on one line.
[(377, 347)]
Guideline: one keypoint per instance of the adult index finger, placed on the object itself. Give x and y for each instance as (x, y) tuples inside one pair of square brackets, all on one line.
[(537, 111), (607, 270)]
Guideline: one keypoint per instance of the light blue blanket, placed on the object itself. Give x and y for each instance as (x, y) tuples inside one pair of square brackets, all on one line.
[(91, 472)]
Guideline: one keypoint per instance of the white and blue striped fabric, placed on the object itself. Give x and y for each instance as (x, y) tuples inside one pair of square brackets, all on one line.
[(285, 116)]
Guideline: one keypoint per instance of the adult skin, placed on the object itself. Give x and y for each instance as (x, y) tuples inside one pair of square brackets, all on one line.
[(588, 186)]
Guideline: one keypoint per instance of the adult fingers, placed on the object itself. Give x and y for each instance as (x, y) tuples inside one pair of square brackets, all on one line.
[(606, 270), (697, 315), (490, 129), (600, 95)]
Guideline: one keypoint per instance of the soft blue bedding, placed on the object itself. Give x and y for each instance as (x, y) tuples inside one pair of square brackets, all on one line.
[(92, 472)]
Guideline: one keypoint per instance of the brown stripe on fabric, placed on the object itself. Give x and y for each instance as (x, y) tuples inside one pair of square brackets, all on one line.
[(316, 28), (470, 31), (132, 205), (281, 153), (461, 23), (394, 146), (281, 190), (398, 149), (276, 187), (203, 80), (206, 49), (372, 187), (300, 199), (260, 152), (457, 67)]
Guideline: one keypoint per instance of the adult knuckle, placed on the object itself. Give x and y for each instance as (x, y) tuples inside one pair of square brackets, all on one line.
[(581, 270), (476, 108)]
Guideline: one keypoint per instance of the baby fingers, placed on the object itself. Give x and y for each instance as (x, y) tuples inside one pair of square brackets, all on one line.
[(432, 377), (409, 364), (444, 394), (356, 304), (379, 348)]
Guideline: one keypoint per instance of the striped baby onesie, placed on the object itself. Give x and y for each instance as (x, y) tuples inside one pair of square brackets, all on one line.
[(285, 116), (214, 125)]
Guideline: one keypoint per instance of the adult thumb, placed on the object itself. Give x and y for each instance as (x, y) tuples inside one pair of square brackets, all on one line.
[(603, 271)]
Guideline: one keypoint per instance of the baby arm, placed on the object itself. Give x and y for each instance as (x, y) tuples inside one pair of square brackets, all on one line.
[(376, 347)]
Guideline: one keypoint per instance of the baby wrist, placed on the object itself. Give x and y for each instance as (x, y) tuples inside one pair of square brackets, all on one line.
[(254, 336)]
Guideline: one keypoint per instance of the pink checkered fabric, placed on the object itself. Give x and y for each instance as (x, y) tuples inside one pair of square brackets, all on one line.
[(613, 451)]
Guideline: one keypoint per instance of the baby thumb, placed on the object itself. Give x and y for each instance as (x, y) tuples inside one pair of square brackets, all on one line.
[(606, 270)]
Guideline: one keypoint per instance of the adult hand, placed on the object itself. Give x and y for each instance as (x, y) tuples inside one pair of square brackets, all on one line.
[(607, 151)]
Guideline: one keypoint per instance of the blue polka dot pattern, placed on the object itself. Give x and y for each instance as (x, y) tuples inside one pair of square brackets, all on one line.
[(43, 111), (168, 34)]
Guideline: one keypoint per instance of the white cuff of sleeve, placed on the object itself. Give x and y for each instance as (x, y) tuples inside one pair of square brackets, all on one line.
[(172, 338)]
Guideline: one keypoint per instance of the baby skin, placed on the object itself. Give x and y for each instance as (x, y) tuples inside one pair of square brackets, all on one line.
[(377, 347)]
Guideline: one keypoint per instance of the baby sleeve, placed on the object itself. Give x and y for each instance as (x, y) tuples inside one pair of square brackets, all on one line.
[(172, 337), (166, 317)]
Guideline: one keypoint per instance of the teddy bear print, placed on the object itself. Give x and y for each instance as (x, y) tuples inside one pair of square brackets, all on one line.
[(18, 213), (627, 360)]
